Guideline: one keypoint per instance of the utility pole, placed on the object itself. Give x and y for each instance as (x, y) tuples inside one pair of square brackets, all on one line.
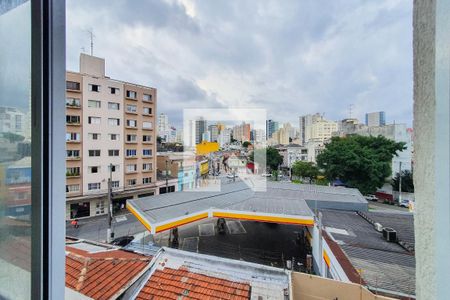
[(109, 230), (400, 184)]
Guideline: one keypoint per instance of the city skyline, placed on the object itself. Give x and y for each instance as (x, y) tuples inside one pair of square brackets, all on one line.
[(216, 56)]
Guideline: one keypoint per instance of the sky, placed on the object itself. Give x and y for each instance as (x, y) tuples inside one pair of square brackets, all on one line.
[(290, 57)]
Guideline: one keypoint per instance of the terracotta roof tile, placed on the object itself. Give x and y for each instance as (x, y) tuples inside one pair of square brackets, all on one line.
[(102, 274), (173, 283)]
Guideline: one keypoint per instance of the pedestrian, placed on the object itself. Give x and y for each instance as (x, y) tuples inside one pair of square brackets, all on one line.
[(75, 223)]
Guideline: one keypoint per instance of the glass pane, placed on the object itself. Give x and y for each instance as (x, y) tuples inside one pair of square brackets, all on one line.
[(15, 149)]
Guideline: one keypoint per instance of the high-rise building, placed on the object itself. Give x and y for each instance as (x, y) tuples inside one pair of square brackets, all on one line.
[(163, 127), (214, 131), (224, 137), (271, 127), (281, 136), (200, 128), (109, 132), (241, 132), (12, 120), (315, 127), (376, 118)]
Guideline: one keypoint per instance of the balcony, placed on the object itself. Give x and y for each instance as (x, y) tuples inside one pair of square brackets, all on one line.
[(72, 174), (73, 158), (73, 104)]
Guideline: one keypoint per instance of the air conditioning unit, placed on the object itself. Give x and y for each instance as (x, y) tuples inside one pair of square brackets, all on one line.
[(390, 234), (378, 227)]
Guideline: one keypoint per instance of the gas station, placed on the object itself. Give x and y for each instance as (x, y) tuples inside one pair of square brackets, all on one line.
[(280, 203)]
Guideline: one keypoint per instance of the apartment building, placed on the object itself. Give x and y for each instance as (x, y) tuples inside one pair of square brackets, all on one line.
[(109, 134)]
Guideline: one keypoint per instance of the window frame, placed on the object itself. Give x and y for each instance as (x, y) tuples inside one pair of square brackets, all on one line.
[(48, 85)]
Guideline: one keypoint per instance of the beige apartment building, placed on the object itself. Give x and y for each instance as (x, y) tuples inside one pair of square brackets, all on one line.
[(110, 133)]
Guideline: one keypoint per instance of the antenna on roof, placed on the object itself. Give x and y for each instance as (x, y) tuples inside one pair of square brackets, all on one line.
[(91, 35), (83, 49), (350, 110)]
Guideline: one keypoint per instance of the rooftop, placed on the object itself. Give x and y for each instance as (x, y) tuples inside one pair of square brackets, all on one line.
[(101, 271), (384, 265), (282, 202), (179, 274)]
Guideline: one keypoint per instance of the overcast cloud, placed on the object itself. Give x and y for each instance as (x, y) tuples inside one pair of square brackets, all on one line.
[(289, 57)]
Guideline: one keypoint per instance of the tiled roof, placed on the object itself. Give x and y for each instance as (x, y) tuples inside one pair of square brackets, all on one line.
[(100, 275), (170, 283)]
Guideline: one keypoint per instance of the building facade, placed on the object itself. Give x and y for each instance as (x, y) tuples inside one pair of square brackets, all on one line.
[(110, 134), (376, 118), (271, 127), (200, 128)]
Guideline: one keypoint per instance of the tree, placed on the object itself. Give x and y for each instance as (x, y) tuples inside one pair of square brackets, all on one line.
[(407, 182), (12, 137), (305, 169), (359, 161), (246, 144), (273, 158)]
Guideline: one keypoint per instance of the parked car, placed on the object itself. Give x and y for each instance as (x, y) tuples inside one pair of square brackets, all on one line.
[(266, 175), (231, 176), (404, 203), (371, 197), (122, 241)]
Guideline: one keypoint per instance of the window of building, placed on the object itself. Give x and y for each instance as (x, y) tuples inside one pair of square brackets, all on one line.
[(72, 85), (93, 153), (94, 103), (94, 186), (115, 183), (113, 122), (72, 137), (147, 152), (114, 168), (146, 138), (146, 180), (131, 138), (73, 153), (72, 119), (94, 169), (114, 136), (147, 110), (73, 102), (94, 120), (73, 171), (147, 167), (131, 108), (113, 105), (94, 136), (146, 125), (131, 152), (131, 181), (147, 97), (94, 88), (132, 168), (114, 90), (72, 188), (131, 94), (100, 207), (131, 123), (113, 152)]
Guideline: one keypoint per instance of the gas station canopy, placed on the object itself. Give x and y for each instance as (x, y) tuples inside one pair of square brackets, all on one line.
[(283, 202)]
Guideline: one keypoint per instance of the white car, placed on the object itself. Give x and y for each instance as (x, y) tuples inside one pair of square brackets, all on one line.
[(371, 197), (231, 176), (266, 175)]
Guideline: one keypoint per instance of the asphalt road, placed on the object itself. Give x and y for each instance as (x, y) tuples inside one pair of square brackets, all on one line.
[(95, 228)]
